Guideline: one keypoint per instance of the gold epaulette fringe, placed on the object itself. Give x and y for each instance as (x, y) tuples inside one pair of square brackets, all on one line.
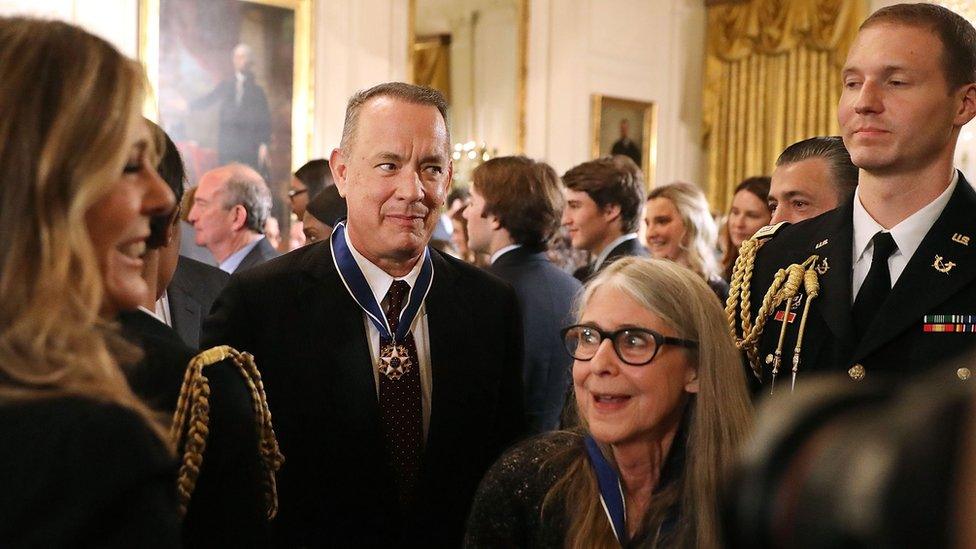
[(787, 285), (190, 428)]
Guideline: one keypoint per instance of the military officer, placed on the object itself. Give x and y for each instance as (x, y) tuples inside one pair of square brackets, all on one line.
[(886, 283)]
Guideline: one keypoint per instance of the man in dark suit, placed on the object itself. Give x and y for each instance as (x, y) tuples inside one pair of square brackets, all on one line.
[(230, 207), (603, 211), (896, 264), (244, 120), (625, 145), (390, 400), (514, 210)]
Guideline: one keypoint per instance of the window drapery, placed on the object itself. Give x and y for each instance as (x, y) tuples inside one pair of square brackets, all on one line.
[(772, 77)]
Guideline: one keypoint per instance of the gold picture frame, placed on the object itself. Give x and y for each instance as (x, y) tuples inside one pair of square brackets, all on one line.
[(303, 80), (607, 118)]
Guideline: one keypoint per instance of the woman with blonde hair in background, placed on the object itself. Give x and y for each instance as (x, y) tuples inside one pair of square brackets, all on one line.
[(680, 228), (84, 462), (662, 399)]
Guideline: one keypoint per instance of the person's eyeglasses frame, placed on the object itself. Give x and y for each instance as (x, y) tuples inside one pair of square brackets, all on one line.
[(659, 341), (295, 192)]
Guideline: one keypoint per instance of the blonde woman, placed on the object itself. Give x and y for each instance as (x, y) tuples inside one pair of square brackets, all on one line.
[(662, 399), (83, 462), (680, 228)]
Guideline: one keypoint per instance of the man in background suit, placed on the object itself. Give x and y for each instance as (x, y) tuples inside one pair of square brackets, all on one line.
[(230, 207), (603, 210), (896, 263), (244, 120), (515, 208), (392, 370), (191, 293)]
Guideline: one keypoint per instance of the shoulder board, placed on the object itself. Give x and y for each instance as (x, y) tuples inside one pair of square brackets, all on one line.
[(769, 231)]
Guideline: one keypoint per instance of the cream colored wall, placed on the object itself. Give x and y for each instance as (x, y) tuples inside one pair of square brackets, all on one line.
[(113, 20), (649, 50)]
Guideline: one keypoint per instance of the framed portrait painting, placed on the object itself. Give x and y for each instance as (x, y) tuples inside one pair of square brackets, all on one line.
[(627, 127), (231, 82)]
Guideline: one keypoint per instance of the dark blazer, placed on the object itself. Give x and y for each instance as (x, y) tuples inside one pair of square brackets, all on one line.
[(227, 506), (545, 295), (258, 255), (79, 473), (625, 248), (895, 343), (308, 336), (194, 288)]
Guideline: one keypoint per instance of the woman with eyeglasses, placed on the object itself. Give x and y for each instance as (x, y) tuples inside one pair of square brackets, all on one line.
[(663, 405)]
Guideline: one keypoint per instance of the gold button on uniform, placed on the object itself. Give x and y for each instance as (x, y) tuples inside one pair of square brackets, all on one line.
[(857, 372), (964, 373)]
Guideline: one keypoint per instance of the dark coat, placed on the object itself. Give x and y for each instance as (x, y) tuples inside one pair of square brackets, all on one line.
[(227, 506), (78, 473), (258, 255), (625, 248), (308, 336), (194, 288), (545, 295), (896, 342)]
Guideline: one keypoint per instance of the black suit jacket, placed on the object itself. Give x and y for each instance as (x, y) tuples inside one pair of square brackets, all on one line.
[(895, 343), (308, 337), (625, 248), (545, 295), (258, 255), (191, 293), (227, 506)]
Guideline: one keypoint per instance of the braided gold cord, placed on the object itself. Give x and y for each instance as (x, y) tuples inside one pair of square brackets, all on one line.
[(190, 428)]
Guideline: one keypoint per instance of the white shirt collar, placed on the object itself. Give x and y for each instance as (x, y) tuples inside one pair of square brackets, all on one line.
[(378, 279), (503, 251), (151, 313), (610, 247), (907, 234)]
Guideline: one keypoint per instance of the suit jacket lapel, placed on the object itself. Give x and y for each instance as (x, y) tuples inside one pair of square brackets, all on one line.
[(449, 321), (921, 286), (834, 302), (337, 331)]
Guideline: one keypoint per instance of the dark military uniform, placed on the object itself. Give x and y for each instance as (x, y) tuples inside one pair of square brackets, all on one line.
[(928, 318)]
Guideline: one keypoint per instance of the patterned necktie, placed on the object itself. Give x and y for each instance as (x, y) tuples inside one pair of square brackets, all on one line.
[(401, 411), (876, 286)]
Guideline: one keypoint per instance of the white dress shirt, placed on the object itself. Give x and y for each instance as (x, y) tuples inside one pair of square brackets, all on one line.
[(379, 282), (609, 248), (162, 309), (907, 234), (235, 259)]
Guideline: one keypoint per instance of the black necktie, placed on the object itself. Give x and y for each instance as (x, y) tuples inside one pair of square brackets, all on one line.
[(876, 286), (400, 400)]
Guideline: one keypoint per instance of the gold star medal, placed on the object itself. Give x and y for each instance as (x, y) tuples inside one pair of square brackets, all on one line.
[(394, 361)]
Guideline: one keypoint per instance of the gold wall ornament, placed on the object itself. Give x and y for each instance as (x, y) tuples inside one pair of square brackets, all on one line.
[(857, 372), (942, 266), (964, 373)]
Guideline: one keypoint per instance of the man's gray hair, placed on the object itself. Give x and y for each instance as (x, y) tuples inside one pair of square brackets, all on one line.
[(418, 95), (246, 187)]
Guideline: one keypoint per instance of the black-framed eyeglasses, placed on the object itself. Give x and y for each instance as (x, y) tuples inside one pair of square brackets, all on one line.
[(634, 346), (295, 192)]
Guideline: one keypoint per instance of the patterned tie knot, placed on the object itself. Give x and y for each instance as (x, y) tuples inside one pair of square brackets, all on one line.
[(884, 245), (397, 293)]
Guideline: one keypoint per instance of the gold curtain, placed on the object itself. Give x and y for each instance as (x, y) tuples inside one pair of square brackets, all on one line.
[(772, 77), (432, 63)]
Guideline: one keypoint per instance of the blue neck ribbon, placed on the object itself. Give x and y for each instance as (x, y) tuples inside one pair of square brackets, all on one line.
[(611, 493), (360, 291)]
